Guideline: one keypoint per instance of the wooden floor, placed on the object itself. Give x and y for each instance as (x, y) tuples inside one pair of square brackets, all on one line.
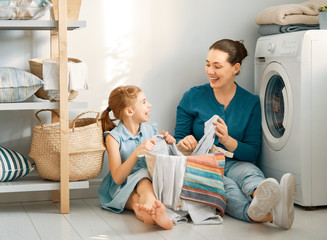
[(42, 220)]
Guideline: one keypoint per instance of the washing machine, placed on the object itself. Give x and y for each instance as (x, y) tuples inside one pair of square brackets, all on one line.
[(291, 80)]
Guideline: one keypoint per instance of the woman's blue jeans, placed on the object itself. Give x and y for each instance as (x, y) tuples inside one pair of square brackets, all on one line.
[(240, 180)]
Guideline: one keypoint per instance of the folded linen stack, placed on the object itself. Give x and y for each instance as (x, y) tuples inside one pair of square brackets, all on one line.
[(77, 77), (289, 17)]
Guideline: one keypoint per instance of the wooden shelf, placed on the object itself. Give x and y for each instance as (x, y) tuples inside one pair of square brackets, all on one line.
[(36, 183), (58, 48), (38, 25), (39, 105)]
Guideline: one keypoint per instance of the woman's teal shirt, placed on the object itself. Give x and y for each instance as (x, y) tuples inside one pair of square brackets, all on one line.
[(242, 117)]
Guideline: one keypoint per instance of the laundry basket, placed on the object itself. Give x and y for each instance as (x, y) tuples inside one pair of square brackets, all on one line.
[(86, 148), (36, 68)]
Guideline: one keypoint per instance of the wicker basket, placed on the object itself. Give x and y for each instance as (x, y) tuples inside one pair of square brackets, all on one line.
[(36, 68), (86, 148)]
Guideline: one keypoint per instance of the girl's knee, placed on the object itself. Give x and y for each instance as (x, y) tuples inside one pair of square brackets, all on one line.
[(144, 181), (144, 185)]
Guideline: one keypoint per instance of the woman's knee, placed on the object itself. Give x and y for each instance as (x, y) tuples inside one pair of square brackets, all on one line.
[(243, 170)]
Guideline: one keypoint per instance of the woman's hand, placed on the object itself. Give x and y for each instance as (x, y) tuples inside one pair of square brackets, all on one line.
[(168, 138), (221, 130), (188, 143), (222, 133)]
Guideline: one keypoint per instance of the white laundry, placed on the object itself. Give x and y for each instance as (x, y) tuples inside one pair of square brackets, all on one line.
[(77, 76), (50, 75), (208, 138), (177, 216), (202, 213), (168, 178)]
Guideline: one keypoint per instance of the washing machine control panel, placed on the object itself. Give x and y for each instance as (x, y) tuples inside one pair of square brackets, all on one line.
[(280, 48), (289, 47)]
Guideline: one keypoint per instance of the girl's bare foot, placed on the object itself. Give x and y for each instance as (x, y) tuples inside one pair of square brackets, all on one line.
[(159, 215), (144, 213)]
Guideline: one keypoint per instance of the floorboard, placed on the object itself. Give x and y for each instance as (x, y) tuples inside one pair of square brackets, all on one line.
[(87, 221)]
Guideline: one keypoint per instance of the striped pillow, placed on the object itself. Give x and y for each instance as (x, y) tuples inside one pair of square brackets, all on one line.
[(17, 85), (13, 165)]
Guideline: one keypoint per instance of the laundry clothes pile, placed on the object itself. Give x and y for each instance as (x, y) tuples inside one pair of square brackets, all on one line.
[(289, 17), (189, 184)]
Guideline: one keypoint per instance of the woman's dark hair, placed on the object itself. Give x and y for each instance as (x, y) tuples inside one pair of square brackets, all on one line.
[(120, 98), (235, 49)]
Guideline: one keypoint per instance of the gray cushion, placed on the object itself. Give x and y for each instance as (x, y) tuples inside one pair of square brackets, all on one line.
[(17, 85)]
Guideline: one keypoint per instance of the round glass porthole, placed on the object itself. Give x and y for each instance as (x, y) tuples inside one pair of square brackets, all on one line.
[(274, 106), (277, 106)]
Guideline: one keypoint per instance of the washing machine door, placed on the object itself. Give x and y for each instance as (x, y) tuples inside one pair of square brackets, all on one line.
[(277, 105)]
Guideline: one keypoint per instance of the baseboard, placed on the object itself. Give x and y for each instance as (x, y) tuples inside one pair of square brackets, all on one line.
[(91, 192)]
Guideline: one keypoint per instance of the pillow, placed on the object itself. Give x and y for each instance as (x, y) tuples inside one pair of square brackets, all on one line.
[(17, 85), (23, 10), (13, 165)]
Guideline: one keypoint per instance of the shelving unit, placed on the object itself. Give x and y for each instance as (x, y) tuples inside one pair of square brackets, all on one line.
[(38, 25), (58, 48), (38, 105), (35, 183)]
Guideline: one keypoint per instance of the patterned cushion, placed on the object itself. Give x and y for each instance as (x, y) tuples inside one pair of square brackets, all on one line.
[(16, 85), (13, 165)]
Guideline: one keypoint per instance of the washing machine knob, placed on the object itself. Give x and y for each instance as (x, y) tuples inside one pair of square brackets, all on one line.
[(271, 47)]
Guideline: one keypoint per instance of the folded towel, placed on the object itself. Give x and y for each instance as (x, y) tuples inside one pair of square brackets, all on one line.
[(270, 29), (302, 13), (50, 75), (203, 180), (77, 75)]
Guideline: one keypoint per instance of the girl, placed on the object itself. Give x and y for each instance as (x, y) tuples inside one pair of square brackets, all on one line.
[(128, 185)]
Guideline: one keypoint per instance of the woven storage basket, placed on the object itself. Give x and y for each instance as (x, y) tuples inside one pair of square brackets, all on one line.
[(36, 68), (86, 148)]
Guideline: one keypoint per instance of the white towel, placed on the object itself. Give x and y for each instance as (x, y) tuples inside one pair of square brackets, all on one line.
[(168, 178), (77, 76), (50, 75)]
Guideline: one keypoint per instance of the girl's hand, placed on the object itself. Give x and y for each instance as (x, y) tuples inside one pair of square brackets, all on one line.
[(169, 139), (147, 145), (188, 143)]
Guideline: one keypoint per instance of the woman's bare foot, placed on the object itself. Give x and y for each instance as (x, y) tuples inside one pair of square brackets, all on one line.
[(144, 213), (159, 215)]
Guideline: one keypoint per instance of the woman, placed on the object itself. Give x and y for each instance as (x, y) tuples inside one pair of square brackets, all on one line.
[(250, 196)]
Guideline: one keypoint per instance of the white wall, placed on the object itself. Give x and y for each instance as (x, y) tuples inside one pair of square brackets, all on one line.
[(160, 46)]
